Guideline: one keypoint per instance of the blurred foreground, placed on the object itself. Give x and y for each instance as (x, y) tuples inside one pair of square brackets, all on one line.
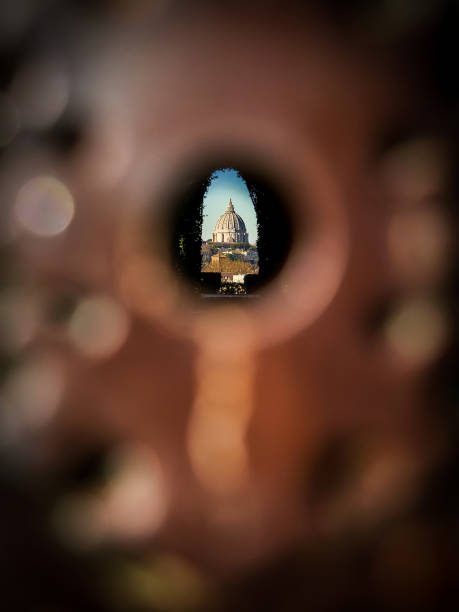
[(296, 451)]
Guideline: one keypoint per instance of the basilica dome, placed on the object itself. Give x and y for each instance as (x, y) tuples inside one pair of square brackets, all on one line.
[(230, 227)]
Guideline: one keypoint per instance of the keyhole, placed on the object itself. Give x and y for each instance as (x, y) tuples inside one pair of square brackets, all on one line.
[(211, 248), (301, 244)]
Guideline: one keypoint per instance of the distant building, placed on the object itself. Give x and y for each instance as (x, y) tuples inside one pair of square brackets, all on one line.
[(230, 227), (215, 259), (232, 278)]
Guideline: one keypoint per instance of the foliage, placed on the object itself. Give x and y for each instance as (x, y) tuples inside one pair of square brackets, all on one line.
[(273, 224), (187, 228), (232, 289), (189, 253), (182, 252)]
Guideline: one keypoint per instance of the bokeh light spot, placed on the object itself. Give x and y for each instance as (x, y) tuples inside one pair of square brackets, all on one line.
[(416, 170), (418, 243), (129, 506), (19, 318), (44, 207), (32, 394), (417, 330), (99, 327)]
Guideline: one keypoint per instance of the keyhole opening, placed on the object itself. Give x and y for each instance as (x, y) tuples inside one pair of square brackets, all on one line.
[(211, 243)]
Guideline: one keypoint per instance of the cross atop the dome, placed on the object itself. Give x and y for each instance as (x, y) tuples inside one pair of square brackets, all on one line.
[(230, 207)]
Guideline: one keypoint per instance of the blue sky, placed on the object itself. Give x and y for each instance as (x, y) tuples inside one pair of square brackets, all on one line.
[(225, 185)]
